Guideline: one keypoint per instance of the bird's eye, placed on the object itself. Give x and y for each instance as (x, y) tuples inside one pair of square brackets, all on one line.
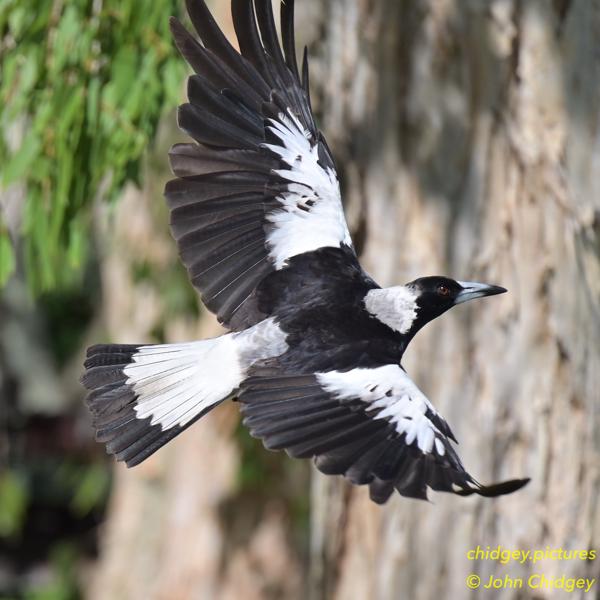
[(443, 290)]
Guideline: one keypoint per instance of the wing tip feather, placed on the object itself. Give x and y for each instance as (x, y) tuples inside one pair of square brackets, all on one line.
[(496, 489)]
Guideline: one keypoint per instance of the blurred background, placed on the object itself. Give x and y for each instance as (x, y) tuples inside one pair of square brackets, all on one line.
[(467, 136)]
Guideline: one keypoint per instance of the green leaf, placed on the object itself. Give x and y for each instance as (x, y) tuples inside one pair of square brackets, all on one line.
[(90, 81), (92, 489), (93, 105), (65, 37), (17, 20), (20, 162), (77, 249), (7, 257), (13, 504)]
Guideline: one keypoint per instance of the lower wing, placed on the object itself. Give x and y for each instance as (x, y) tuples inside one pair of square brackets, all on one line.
[(372, 425)]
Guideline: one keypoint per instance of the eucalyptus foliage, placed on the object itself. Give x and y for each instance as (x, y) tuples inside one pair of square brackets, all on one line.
[(82, 86)]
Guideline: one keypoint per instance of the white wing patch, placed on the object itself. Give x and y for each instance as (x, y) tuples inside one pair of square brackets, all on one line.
[(176, 382), (390, 392), (311, 215)]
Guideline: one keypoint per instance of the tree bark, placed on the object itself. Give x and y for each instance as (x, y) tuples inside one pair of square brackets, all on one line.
[(469, 137)]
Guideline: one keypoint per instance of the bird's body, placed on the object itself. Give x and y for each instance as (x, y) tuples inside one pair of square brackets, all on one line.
[(315, 345), (319, 302)]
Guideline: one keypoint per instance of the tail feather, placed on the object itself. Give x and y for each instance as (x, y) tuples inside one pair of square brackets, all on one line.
[(142, 396)]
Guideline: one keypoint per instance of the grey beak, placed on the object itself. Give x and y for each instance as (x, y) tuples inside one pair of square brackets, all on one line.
[(472, 290)]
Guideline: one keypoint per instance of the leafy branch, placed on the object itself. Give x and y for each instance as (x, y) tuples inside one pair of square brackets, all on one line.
[(82, 87)]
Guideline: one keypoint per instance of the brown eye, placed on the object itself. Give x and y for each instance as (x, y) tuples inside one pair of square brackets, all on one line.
[(443, 290)]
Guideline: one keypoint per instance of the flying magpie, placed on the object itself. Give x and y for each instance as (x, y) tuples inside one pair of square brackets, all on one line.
[(314, 348)]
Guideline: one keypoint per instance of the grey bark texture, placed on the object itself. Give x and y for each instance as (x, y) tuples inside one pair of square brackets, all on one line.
[(467, 136)]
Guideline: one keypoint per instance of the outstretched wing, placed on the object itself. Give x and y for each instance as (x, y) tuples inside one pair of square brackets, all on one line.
[(372, 425), (259, 185)]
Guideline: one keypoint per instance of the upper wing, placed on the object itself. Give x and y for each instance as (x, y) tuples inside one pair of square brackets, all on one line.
[(259, 185), (372, 425)]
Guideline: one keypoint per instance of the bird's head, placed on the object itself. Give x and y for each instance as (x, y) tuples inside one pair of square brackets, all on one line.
[(407, 308), (435, 295)]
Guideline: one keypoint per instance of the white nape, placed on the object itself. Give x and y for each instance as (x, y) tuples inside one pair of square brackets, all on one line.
[(311, 215), (391, 391), (176, 382), (395, 306)]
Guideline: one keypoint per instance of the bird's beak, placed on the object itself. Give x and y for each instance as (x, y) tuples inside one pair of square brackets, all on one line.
[(472, 290)]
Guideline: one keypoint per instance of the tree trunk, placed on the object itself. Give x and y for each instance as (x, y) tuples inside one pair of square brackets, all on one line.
[(469, 137)]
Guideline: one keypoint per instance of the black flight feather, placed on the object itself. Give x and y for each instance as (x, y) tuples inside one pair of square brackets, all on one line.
[(288, 37)]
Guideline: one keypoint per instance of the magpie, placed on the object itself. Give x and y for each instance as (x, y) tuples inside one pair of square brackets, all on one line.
[(314, 348)]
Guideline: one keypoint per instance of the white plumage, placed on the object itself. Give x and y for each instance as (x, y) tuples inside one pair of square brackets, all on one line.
[(397, 398), (176, 382), (311, 215)]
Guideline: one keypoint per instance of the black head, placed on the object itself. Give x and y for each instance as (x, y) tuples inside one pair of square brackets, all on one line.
[(435, 295)]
